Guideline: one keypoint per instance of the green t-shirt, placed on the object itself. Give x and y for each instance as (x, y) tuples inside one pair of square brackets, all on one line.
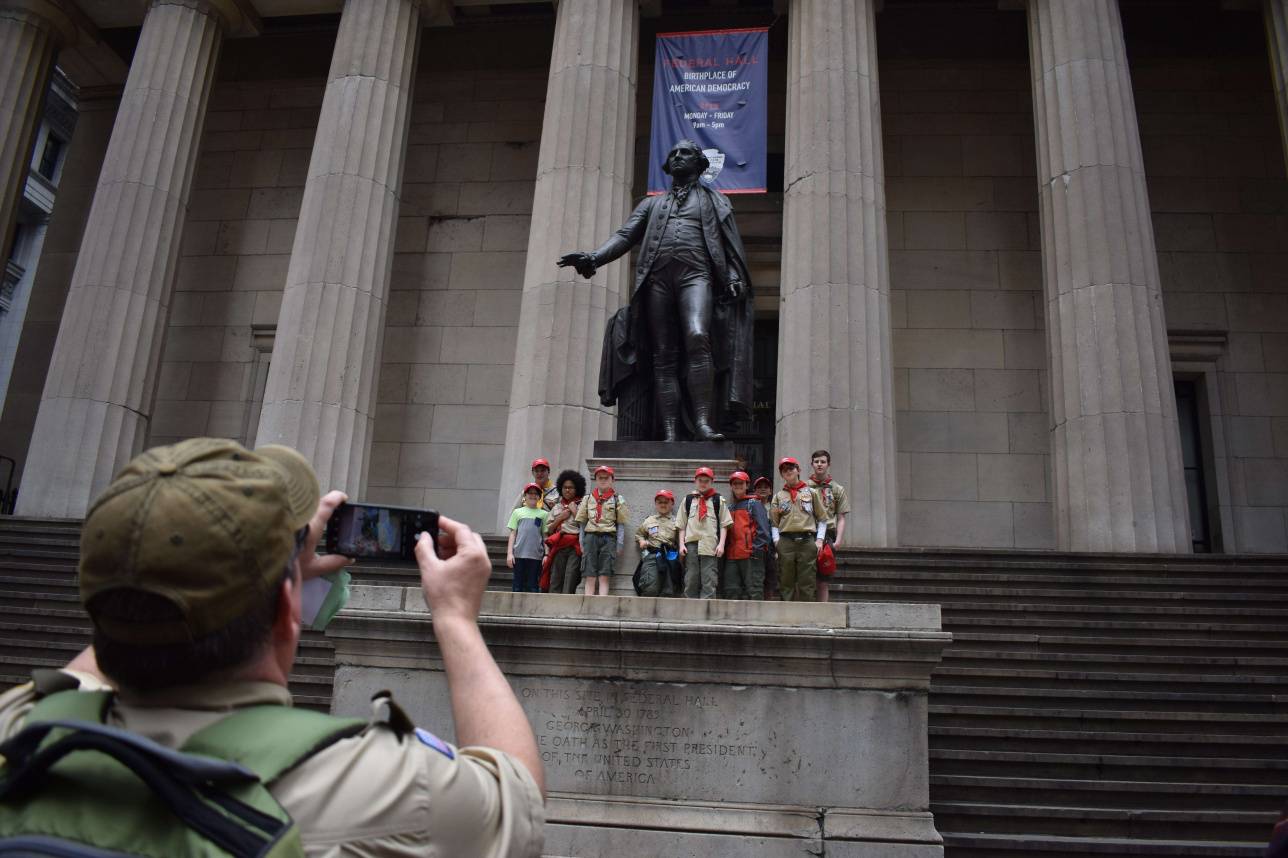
[(528, 524)]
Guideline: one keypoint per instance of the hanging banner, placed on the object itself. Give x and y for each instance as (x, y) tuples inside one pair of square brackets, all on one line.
[(710, 87)]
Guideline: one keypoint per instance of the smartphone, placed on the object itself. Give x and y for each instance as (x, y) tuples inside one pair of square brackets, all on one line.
[(365, 530)]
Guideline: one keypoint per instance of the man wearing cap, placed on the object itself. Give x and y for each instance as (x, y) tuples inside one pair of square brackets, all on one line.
[(799, 523), (602, 517), (549, 491), (744, 565), (656, 536), (836, 503), (703, 523), (191, 568), (764, 488)]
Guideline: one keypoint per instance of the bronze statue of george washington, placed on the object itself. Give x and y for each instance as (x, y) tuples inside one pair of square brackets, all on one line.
[(685, 339)]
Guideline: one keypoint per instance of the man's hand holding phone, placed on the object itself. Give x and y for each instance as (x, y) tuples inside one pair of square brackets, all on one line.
[(453, 579)]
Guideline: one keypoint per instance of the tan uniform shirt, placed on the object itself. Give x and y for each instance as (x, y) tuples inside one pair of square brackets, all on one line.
[(797, 516), (569, 524), (836, 500), (657, 530), (375, 794), (703, 531), (613, 513)]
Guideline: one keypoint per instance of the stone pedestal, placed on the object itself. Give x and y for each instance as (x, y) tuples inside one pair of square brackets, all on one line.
[(1119, 480), (835, 362), (324, 372), (583, 193), (690, 728), (638, 480), (95, 407)]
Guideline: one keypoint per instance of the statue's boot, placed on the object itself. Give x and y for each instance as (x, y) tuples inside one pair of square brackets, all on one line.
[(701, 391), (668, 405)]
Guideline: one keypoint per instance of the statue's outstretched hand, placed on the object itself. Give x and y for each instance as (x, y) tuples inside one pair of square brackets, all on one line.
[(583, 262)]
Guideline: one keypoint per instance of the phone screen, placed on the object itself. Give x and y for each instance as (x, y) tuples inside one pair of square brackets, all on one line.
[(381, 532)]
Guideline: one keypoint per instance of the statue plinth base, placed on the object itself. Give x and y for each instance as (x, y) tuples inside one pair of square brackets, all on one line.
[(641, 468), (711, 451)]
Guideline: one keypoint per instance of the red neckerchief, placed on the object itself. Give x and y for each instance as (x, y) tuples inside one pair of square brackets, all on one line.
[(599, 502), (794, 490), (702, 503), (823, 481)]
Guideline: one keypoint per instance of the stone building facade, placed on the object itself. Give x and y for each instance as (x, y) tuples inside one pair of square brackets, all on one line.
[(1041, 248)]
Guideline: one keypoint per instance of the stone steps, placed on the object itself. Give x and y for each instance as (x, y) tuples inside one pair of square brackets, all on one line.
[(1103, 705)]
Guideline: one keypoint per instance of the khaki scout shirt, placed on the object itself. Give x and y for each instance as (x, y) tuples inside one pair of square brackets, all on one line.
[(799, 516), (836, 500), (375, 794), (703, 531), (657, 530), (569, 524), (615, 512)]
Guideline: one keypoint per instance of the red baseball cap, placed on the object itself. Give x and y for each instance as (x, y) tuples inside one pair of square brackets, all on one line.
[(766, 480), (532, 487), (605, 469), (664, 493), (788, 460), (739, 475), (704, 471), (540, 463)]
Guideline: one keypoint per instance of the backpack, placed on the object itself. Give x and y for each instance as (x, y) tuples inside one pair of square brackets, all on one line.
[(73, 786), (742, 536)]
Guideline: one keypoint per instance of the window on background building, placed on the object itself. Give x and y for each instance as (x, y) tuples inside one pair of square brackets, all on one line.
[(51, 156)]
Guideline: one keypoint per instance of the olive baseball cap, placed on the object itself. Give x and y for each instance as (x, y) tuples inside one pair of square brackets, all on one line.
[(205, 524)]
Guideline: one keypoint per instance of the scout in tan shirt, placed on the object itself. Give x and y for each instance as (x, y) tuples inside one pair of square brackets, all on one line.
[(836, 502), (192, 565), (704, 523), (656, 536), (603, 517), (799, 525)]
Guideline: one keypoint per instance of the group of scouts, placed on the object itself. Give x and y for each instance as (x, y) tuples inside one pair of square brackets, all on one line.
[(761, 544)]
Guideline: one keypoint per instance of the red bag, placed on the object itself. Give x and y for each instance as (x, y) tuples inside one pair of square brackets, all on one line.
[(826, 561)]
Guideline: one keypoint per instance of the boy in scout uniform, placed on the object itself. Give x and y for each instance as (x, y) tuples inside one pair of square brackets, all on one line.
[(799, 525), (703, 522), (191, 567), (549, 491), (602, 517), (656, 535), (836, 502)]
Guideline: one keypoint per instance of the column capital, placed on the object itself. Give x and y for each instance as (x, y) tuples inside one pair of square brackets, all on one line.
[(67, 23), (238, 17)]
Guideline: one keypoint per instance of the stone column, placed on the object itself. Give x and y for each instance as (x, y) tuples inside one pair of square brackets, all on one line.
[(1276, 12), (30, 36), (1119, 482), (835, 383), (583, 193), (94, 410), (322, 379)]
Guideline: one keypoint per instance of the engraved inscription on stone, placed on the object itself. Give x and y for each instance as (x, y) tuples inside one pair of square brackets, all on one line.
[(665, 736)]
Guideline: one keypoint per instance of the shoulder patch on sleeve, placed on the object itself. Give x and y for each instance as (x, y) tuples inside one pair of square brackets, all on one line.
[(429, 739)]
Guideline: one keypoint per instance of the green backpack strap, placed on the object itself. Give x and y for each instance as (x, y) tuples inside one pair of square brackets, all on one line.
[(72, 705), (271, 740)]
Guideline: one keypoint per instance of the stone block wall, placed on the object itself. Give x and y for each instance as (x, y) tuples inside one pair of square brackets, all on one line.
[(966, 304), (236, 249), (1215, 165), (457, 273)]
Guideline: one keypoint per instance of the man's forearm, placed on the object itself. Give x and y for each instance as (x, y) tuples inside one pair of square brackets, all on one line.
[(483, 704)]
